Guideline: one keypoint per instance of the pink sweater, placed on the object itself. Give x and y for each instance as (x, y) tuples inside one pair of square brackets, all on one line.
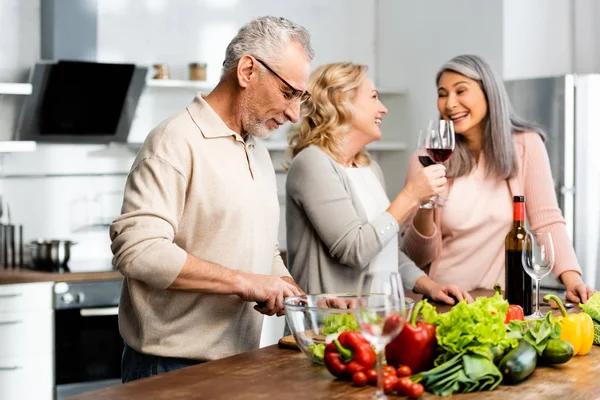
[(534, 180)]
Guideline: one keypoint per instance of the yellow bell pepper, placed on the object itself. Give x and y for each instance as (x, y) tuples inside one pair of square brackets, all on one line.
[(577, 329)]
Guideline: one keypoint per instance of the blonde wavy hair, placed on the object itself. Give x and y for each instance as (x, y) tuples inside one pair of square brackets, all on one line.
[(329, 113)]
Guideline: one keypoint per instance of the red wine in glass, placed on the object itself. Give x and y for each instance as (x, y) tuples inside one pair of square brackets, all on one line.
[(426, 161), (439, 155)]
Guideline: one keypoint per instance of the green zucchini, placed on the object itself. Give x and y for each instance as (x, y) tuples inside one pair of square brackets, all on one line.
[(556, 352), (518, 364)]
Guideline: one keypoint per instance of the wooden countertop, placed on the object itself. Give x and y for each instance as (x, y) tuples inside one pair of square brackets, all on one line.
[(23, 275), (275, 373)]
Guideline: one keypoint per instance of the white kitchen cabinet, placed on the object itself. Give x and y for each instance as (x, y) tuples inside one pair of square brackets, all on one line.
[(27, 377), (26, 297), (26, 333), (27, 341)]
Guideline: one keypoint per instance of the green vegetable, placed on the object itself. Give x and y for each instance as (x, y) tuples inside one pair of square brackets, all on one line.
[(339, 323), (557, 352), (473, 328), (318, 351), (497, 353), (519, 363), (596, 333), (462, 373), (592, 307), (536, 332)]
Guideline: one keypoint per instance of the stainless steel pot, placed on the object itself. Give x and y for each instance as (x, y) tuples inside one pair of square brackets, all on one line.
[(50, 254)]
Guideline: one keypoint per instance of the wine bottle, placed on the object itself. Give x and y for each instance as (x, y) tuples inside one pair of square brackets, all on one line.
[(518, 284)]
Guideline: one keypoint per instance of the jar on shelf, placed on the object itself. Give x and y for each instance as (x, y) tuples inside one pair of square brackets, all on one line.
[(161, 71), (197, 72)]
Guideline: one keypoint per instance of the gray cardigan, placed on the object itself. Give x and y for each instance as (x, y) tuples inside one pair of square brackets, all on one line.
[(329, 240)]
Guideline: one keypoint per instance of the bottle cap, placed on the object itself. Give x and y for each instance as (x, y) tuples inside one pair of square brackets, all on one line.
[(519, 199)]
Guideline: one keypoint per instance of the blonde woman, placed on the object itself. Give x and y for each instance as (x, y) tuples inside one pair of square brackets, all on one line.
[(338, 217)]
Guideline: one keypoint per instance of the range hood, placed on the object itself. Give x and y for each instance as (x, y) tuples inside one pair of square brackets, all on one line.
[(80, 102)]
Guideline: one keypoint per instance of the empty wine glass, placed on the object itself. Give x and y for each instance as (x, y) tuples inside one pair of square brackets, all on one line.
[(538, 260), (380, 313)]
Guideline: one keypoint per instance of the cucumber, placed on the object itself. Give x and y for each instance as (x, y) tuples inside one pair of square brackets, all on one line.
[(518, 364), (557, 352)]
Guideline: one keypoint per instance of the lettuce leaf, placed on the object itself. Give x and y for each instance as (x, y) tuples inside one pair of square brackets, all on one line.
[(339, 323), (592, 307), (536, 332), (473, 328)]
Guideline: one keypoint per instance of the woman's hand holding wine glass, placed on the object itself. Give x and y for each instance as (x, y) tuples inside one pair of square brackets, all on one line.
[(435, 146), (427, 183)]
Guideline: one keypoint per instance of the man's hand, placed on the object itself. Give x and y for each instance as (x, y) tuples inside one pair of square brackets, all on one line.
[(289, 279), (268, 291), (443, 293), (577, 291)]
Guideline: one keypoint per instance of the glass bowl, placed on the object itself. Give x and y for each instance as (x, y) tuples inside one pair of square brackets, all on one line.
[(317, 319)]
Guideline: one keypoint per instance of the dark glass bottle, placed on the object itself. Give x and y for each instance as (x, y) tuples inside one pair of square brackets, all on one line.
[(518, 284)]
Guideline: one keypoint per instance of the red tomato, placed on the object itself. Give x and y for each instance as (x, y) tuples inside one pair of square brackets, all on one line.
[(415, 390), (389, 369), (404, 370), (402, 385), (359, 379), (389, 383), (371, 377)]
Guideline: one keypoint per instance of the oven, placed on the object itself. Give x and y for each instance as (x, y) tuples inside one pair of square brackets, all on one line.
[(88, 345)]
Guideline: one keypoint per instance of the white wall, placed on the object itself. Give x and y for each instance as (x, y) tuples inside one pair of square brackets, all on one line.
[(538, 38), (180, 32), (19, 49), (587, 36)]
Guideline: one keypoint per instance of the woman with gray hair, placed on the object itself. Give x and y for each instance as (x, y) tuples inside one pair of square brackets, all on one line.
[(498, 155)]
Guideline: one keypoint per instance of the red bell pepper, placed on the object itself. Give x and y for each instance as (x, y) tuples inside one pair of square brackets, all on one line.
[(348, 354), (415, 345), (514, 312)]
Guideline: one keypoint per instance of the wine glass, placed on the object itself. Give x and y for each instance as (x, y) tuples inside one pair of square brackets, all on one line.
[(538, 260), (380, 313), (425, 160), (436, 146)]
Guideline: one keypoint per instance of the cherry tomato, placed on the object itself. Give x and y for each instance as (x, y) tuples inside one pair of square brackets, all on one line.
[(415, 390), (404, 370), (353, 368), (389, 383), (371, 377), (359, 379), (389, 369), (402, 385)]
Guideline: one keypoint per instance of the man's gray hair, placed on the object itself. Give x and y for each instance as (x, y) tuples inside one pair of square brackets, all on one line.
[(500, 123), (265, 38)]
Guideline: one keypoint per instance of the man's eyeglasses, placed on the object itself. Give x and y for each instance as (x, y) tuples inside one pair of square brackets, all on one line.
[(295, 94)]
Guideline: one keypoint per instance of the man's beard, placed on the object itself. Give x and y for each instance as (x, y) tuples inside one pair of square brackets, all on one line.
[(252, 126)]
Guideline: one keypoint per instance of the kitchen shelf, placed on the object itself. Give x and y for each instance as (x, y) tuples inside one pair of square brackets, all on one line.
[(14, 146), (181, 84), (401, 90), (15, 88), (280, 145)]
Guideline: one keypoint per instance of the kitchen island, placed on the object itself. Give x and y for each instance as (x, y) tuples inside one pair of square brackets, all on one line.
[(276, 373)]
